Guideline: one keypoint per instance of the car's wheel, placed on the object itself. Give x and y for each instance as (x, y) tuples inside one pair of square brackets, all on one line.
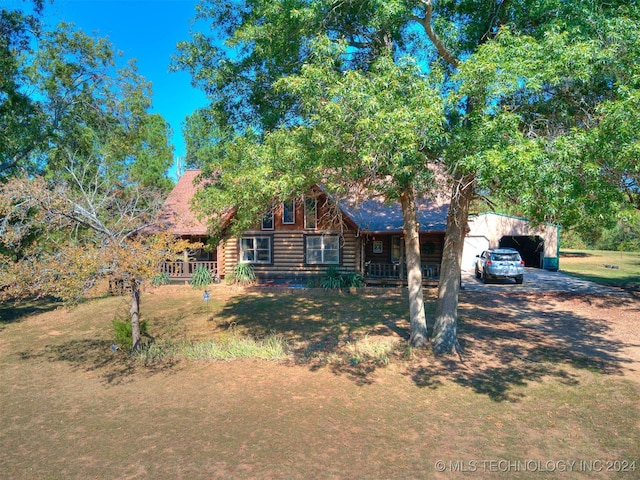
[(519, 279), (485, 276), (477, 272)]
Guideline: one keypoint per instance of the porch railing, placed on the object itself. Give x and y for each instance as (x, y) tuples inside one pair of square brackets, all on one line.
[(392, 270), (185, 269), (383, 270)]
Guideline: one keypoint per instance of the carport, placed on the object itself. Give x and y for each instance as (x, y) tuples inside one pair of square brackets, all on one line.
[(538, 244)]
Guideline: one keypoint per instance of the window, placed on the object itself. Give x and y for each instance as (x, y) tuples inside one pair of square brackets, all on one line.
[(267, 221), (505, 257), (255, 250), (322, 249), (396, 249), (289, 212), (310, 217)]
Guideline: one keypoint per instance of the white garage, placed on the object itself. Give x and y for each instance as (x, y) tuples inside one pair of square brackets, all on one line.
[(538, 244)]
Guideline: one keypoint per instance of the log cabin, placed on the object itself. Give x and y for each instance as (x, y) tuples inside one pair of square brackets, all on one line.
[(303, 237)]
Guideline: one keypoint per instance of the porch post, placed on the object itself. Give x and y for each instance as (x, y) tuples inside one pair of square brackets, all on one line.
[(185, 264), (402, 261)]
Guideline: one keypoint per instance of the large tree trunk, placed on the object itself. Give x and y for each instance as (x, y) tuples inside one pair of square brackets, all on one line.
[(414, 271), (135, 316), (445, 330)]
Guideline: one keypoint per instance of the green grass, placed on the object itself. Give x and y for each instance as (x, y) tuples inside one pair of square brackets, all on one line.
[(273, 347), (618, 269)]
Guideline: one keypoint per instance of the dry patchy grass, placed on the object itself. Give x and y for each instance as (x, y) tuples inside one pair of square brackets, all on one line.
[(547, 379)]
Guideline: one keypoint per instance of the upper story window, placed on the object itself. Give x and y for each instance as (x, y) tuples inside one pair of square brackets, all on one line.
[(267, 221), (310, 213), (289, 212), (255, 250)]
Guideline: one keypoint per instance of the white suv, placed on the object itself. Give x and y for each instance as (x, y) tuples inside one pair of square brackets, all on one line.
[(500, 263)]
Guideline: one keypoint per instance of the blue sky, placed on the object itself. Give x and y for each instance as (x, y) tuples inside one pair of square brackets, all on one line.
[(147, 30)]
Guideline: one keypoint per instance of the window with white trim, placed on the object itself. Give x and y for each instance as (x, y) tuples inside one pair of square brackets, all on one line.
[(255, 250), (322, 249), (289, 212), (310, 213)]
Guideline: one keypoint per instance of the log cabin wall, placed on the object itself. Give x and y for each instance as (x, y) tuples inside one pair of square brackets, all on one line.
[(287, 230), (431, 246)]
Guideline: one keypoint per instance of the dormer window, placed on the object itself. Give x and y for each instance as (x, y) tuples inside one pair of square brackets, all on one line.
[(289, 212), (310, 213), (267, 221)]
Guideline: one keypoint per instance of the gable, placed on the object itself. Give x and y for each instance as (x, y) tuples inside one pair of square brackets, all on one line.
[(176, 214)]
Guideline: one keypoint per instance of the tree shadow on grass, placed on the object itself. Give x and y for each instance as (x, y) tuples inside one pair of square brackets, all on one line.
[(15, 310), (320, 325), (94, 355), (509, 341)]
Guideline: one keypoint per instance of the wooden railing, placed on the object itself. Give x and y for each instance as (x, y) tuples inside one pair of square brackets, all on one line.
[(392, 270), (186, 269), (383, 270)]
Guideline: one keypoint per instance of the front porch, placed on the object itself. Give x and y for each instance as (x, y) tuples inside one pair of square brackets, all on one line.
[(396, 274), (375, 273), (385, 258), (183, 271)]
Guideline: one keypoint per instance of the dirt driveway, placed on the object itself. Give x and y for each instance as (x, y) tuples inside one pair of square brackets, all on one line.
[(579, 318), (539, 280)]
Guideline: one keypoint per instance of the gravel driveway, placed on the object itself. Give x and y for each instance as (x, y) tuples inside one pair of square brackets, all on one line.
[(539, 280)]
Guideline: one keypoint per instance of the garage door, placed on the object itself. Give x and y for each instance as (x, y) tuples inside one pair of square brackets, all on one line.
[(473, 246), (531, 248)]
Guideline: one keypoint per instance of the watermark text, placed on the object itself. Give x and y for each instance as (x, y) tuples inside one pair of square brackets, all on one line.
[(535, 465)]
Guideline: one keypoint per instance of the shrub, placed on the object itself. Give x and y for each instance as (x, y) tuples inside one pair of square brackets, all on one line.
[(354, 280), (334, 279), (122, 333), (201, 277), (161, 279), (242, 274)]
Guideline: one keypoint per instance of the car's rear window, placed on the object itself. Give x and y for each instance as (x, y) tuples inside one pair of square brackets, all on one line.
[(505, 257)]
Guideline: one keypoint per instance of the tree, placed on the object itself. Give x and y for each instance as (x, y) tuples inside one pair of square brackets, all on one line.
[(88, 231), (347, 144), (371, 137), (83, 165), (70, 95), (393, 168), (527, 88), (20, 117)]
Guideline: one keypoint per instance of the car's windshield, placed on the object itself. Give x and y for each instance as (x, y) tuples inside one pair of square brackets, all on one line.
[(505, 257)]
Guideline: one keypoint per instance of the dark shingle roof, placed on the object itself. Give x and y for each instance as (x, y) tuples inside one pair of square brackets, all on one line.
[(375, 216)]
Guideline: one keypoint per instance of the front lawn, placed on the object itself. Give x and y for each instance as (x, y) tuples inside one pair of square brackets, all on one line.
[(544, 388)]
